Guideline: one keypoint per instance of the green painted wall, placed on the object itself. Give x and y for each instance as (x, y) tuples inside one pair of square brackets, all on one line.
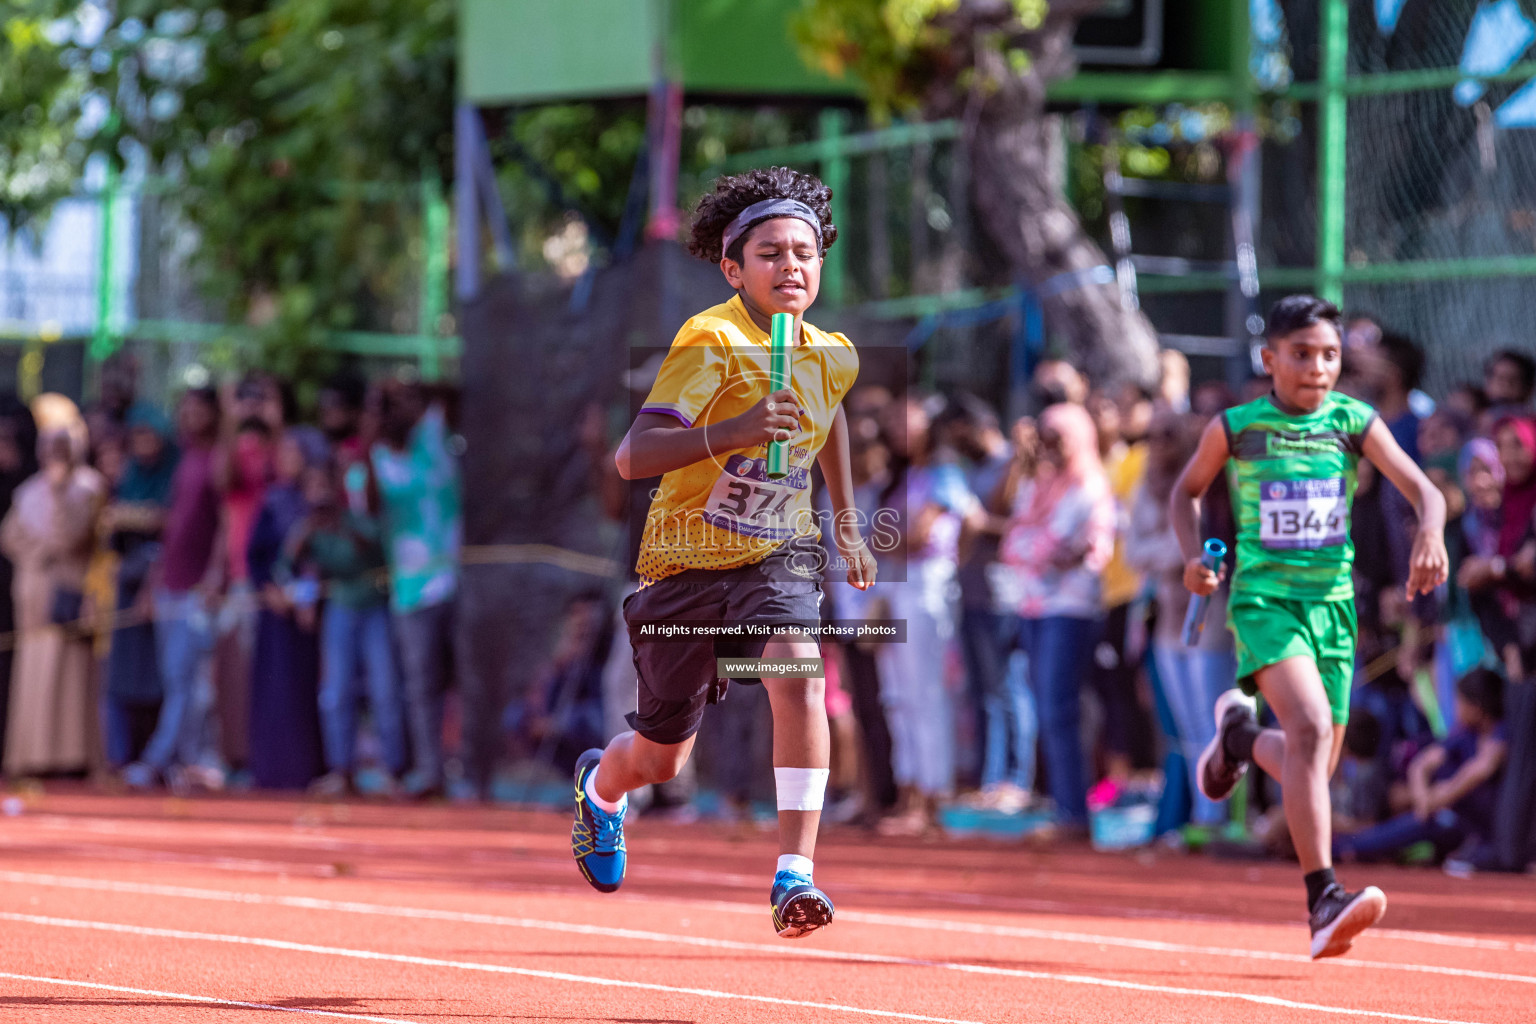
[(525, 51), (521, 51), (743, 46)]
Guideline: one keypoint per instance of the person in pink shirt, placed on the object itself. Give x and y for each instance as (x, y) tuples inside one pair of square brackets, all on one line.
[(1058, 541)]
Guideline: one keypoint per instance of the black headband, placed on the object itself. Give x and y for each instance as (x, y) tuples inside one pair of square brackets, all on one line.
[(766, 210)]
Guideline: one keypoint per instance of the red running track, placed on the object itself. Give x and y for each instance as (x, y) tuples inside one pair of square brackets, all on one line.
[(155, 909)]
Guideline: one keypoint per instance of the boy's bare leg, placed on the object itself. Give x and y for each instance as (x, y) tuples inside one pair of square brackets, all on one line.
[(1276, 749), (801, 737), (631, 761), (1300, 754)]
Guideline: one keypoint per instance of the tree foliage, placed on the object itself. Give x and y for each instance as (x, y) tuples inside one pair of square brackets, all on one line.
[(560, 159), (910, 53), (36, 95), (291, 133), (988, 63)]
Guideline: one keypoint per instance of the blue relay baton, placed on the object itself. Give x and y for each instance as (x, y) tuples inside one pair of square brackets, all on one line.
[(1194, 619)]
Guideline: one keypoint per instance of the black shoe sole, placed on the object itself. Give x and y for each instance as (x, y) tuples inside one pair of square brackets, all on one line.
[(1216, 747), (803, 914), (1358, 915)]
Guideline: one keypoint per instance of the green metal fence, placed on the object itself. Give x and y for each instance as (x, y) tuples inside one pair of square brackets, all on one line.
[(137, 290), (1385, 193)]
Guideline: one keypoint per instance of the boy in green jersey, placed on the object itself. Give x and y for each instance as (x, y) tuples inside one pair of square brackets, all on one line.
[(1291, 459)]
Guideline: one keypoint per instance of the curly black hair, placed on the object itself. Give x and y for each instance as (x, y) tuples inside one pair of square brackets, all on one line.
[(736, 192)]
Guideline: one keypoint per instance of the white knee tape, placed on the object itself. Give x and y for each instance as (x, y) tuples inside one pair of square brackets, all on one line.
[(800, 789)]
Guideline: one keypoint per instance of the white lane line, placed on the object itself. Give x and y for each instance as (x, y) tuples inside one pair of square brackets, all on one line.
[(118, 853), (364, 954), (464, 965), (671, 874), (1463, 941), (211, 1000), (922, 923), (134, 855), (1014, 931), (783, 949)]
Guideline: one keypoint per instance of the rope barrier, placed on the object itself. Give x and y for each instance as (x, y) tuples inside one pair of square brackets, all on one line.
[(477, 555), (91, 626)]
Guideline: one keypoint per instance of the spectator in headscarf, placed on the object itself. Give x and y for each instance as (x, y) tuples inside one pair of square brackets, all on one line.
[(284, 746), (1516, 441), (49, 535), (1512, 571), (1488, 573), (132, 522), (1059, 539), (1482, 481), (1472, 480), (18, 461)]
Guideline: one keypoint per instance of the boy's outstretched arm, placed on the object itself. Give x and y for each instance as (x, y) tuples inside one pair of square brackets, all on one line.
[(1184, 504), (836, 469), (1482, 766), (657, 443), (1428, 565)]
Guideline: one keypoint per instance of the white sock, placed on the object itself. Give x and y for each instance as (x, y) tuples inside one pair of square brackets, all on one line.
[(597, 801), (796, 863)]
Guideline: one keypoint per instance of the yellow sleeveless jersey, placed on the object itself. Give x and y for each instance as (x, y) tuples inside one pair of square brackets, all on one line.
[(724, 512)]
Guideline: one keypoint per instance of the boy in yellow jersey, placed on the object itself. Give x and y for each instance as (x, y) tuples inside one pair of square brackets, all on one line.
[(1291, 459), (727, 547)]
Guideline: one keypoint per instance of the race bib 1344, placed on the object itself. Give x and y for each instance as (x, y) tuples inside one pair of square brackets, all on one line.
[(1303, 513)]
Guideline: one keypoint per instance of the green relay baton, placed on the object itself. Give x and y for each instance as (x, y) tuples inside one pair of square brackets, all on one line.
[(779, 367)]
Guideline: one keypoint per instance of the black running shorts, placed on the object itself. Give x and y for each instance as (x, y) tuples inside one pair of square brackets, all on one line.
[(678, 677)]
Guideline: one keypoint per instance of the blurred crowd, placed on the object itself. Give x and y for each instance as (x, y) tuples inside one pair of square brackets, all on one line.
[(219, 594), (1044, 670)]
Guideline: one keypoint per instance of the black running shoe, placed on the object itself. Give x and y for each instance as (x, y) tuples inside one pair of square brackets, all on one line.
[(1339, 916), (799, 908), (1216, 772)]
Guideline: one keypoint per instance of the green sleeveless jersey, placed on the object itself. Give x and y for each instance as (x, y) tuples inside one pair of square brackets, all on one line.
[(1293, 481)]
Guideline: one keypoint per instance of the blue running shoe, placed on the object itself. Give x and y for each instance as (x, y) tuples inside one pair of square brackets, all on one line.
[(799, 908), (597, 837)]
